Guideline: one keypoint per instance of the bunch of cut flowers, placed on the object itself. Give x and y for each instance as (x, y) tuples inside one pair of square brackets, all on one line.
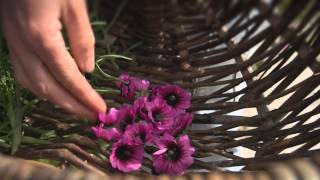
[(156, 116)]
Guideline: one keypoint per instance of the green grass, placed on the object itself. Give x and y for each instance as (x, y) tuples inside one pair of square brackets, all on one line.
[(11, 102)]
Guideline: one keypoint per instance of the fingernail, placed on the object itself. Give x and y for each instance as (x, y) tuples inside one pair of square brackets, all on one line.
[(87, 67), (101, 105)]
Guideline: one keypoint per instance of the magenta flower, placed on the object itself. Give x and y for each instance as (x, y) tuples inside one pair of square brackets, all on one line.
[(140, 132), (126, 155), (173, 157), (140, 106), (111, 118), (174, 96), (160, 114), (110, 134), (126, 116), (181, 122), (130, 85)]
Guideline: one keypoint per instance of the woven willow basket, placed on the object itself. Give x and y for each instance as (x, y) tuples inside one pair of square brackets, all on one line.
[(252, 66)]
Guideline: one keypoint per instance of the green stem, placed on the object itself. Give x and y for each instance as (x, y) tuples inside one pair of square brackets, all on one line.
[(15, 115), (105, 74), (107, 91), (116, 16)]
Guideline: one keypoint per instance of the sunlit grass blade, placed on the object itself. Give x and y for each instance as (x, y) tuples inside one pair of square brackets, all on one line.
[(98, 23), (107, 91), (113, 56), (105, 75)]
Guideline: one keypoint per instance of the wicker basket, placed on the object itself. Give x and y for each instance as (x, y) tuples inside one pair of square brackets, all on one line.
[(253, 67)]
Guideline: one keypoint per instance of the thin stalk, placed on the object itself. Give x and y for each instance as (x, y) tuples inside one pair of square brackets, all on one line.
[(116, 16)]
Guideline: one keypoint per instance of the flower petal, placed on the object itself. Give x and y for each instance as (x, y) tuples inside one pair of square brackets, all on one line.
[(130, 162), (184, 139), (160, 152), (102, 117), (112, 117), (129, 85)]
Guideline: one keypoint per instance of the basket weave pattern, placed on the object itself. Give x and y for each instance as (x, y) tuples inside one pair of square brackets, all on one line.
[(234, 56)]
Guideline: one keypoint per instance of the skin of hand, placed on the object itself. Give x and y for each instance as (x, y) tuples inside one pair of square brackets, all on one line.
[(40, 59)]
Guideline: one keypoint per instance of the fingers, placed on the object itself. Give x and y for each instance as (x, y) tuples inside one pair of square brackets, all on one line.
[(80, 35), (50, 48), (19, 73), (32, 74), (36, 27)]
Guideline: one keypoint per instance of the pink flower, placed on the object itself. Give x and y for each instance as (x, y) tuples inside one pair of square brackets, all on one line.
[(111, 118), (126, 116), (174, 96), (126, 155), (140, 132), (173, 157), (110, 134), (140, 106), (181, 121), (130, 85), (160, 114)]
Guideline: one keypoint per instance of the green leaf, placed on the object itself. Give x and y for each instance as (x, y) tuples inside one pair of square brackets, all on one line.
[(32, 140), (48, 134), (98, 23), (10, 99), (107, 91), (15, 118)]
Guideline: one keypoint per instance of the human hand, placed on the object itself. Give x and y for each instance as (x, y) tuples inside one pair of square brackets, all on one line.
[(39, 57)]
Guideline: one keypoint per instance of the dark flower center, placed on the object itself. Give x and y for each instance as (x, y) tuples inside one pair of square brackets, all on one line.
[(142, 113), (123, 153), (138, 118), (172, 99), (142, 136), (144, 110), (124, 86), (125, 122), (173, 152), (157, 116)]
